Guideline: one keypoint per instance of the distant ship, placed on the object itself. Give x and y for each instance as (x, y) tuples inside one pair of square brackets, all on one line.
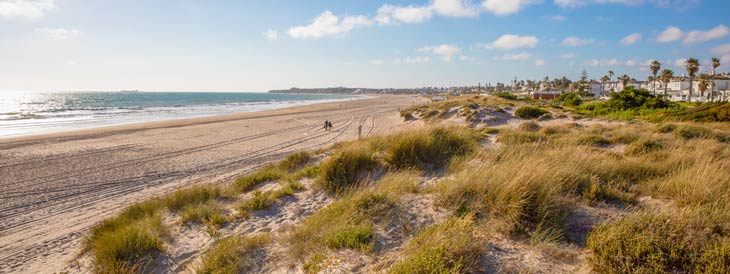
[(136, 90)]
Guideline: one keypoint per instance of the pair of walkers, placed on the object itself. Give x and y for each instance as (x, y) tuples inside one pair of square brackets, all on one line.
[(327, 125)]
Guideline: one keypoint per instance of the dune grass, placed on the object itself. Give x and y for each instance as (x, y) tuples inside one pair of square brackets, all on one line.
[(430, 148), (125, 243), (450, 247), (346, 168), (235, 254), (692, 240), (348, 222), (248, 182)]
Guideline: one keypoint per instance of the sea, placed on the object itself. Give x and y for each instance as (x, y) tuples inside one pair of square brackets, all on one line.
[(23, 113)]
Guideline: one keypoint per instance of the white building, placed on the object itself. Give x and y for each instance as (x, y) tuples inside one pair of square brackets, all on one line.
[(678, 89)]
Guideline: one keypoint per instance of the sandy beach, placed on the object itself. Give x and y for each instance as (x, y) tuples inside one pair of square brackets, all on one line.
[(54, 187)]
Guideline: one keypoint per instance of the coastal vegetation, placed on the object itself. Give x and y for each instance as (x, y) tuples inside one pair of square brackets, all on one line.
[(552, 183)]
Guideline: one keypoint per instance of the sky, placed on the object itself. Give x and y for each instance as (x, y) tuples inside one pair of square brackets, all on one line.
[(195, 45)]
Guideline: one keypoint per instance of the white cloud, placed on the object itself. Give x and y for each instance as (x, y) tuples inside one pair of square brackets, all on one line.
[(568, 55), (455, 8), (514, 57), (512, 41), (328, 24), (504, 7), (557, 18), (376, 62), (721, 50), (540, 62), (631, 63), (25, 8), (573, 41), (447, 52), (389, 14), (271, 35), (698, 36), (580, 3), (724, 52), (414, 60), (603, 63), (59, 33), (630, 39), (680, 62), (670, 34)]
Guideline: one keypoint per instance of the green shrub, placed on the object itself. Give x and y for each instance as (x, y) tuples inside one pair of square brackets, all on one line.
[(570, 99), (530, 112), (344, 169), (505, 95)]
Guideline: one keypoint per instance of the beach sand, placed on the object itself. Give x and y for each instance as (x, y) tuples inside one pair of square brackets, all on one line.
[(53, 187)]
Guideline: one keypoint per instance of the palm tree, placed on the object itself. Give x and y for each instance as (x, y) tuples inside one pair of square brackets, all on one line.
[(610, 75), (692, 65), (703, 84), (624, 80), (604, 79), (715, 65), (655, 66), (667, 76)]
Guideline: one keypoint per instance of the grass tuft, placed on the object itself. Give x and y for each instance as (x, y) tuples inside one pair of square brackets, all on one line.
[(236, 254), (450, 247)]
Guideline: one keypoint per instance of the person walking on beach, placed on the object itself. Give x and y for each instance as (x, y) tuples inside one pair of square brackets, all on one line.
[(326, 125), (359, 131), (329, 125)]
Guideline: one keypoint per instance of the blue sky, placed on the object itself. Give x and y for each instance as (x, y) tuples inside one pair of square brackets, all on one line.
[(59, 45)]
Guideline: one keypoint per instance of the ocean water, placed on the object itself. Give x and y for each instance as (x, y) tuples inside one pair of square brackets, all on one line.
[(34, 113)]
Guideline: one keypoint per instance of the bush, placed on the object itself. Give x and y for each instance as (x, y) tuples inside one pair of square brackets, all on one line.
[(505, 95), (631, 98), (429, 149), (530, 112), (717, 112), (570, 99), (344, 169)]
